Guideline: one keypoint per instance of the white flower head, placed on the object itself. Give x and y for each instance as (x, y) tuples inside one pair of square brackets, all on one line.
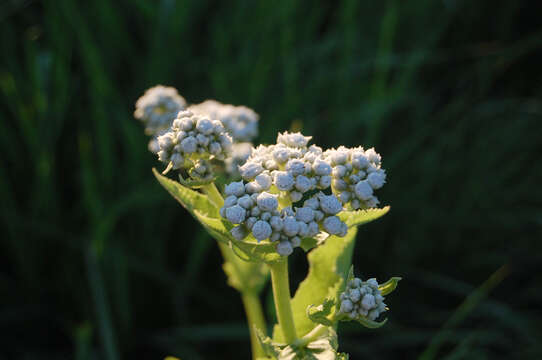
[(191, 141), (158, 107), (356, 174), (240, 122), (362, 299)]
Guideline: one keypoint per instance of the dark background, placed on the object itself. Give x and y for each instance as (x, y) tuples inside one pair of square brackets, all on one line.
[(97, 261)]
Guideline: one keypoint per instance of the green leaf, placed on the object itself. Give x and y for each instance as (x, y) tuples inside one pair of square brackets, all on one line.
[(370, 323), (328, 267), (188, 198), (389, 286), (191, 183), (360, 217), (249, 249), (318, 314)]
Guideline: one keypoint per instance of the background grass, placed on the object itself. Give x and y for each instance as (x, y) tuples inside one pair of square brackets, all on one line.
[(98, 262)]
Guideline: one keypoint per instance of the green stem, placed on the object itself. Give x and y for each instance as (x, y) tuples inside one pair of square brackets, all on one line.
[(251, 302), (253, 309), (281, 295), (314, 334)]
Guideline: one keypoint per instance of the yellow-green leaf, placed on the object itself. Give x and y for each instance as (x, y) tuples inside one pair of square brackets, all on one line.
[(389, 285), (360, 217)]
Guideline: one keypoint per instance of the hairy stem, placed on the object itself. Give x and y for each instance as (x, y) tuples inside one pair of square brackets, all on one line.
[(253, 309), (251, 302), (281, 295)]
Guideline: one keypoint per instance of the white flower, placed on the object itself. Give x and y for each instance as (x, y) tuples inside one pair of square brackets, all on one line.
[(240, 122), (190, 141), (261, 230), (158, 107), (362, 299), (284, 248), (235, 214), (235, 188), (296, 140), (267, 201), (363, 190)]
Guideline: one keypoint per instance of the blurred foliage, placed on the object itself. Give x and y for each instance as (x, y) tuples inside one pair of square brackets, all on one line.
[(98, 262)]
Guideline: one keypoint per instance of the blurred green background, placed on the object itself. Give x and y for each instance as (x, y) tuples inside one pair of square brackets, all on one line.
[(97, 261)]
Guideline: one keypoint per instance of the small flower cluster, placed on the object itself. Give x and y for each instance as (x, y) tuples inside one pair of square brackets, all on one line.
[(158, 107), (362, 299), (284, 174), (240, 121), (191, 141), (356, 174)]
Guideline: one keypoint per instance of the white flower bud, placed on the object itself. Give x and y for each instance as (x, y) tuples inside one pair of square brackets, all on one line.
[(283, 180), (235, 214), (325, 182), (245, 201), (321, 167), (230, 201), (261, 230), (274, 236), (284, 248), (332, 225), (202, 139), (276, 223), (189, 145), (250, 170), (235, 188), (303, 184), (296, 196), (264, 180), (355, 295), (318, 215), (346, 306), (295, 140), (252, 187), (363, 190), (250, 222), (377, 179), (239, 232), (330, 204), (215, 148), (368, 302), (373, 156), (290, 226), (339, 171), (295, 167), (267, 202), (305, 214), (281, 155), (313, 203), (204, 126), (359, 161), (313, 229), (295, 241)]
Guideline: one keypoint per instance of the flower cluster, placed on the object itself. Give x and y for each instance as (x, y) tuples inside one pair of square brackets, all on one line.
[(275, 179), (191, 141), (356, 174), (240, 121), (362, 299), (158, 107)]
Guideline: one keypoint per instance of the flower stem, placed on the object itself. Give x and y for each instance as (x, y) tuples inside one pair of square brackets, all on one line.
[(251, 302), (281, 295), (315, 333), (253, 309)]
